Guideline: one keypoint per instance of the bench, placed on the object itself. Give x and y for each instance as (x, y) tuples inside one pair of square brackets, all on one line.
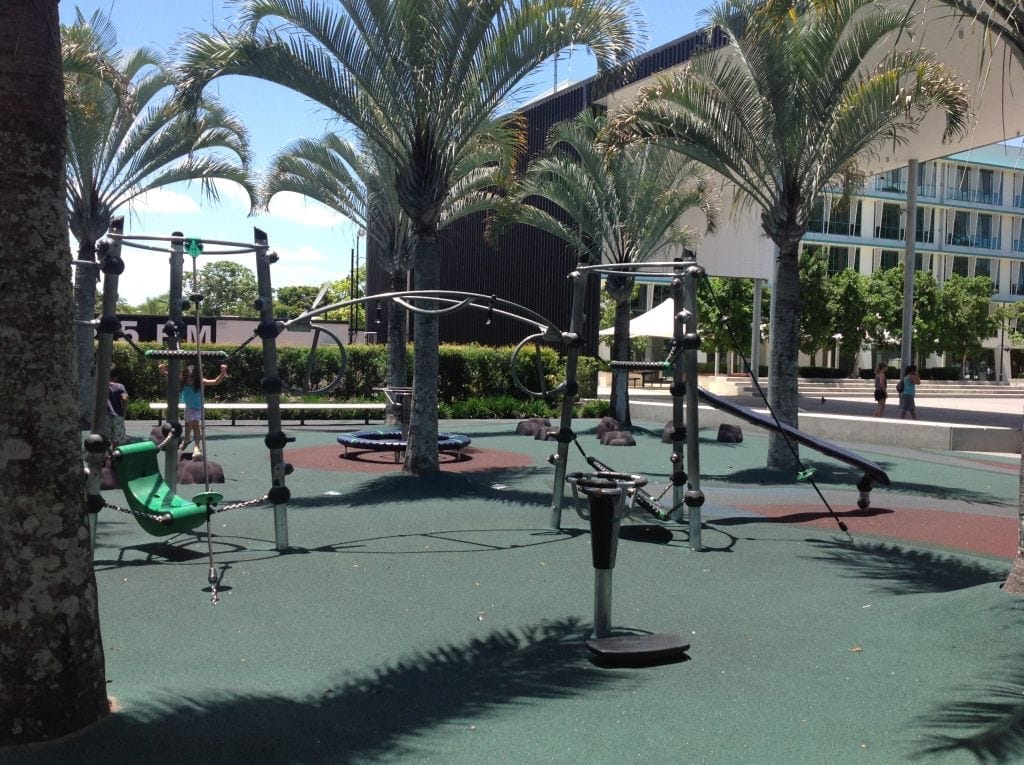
[(304, 409)]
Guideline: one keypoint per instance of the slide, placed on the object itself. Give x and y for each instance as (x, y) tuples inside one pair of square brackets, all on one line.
[(871, 470)]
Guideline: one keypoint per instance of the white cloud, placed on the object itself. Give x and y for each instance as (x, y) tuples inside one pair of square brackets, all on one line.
[(164, 201), (300, 209)]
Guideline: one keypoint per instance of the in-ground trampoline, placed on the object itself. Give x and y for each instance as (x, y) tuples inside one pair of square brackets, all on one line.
[(394, 441)]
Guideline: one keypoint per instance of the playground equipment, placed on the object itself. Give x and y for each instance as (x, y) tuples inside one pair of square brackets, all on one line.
[(610, 497), (151, 497)]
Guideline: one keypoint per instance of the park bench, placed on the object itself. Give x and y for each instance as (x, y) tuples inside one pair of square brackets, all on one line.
[(237, 410)]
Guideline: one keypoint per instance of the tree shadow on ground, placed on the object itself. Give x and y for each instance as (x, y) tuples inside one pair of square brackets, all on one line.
[(397, 489), (994, 717), (380, 715), (903, 571)]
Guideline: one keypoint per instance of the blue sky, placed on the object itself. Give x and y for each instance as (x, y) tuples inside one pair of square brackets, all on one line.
[(314, 243)]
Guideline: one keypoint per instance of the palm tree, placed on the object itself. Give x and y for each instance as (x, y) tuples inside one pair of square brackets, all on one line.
[(780, 109), (124, 139), (52, 661), (421, 80), (620, 205), (355, 184)]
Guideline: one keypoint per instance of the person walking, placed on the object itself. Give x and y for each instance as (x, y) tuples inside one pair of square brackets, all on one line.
[(907, 390), (881, 388)]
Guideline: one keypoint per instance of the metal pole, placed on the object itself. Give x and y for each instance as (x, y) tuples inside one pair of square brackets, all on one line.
[(906, 342), (755, 330), (172, 341), (693, 497), (352, 294), (275, 439), (565, 434), (96, 448)]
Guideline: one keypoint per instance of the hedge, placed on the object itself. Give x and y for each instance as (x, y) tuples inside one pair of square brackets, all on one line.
[(465, 372)]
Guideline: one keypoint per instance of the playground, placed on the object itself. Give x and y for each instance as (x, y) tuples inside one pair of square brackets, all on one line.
[(443, 620)]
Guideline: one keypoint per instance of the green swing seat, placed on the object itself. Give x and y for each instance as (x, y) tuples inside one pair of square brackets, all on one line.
[(158, 510)]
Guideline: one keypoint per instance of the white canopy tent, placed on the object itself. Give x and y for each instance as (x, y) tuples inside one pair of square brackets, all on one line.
[(658, 322)]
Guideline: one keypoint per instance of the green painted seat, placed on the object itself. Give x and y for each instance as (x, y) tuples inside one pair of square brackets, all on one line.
[(157, 509)]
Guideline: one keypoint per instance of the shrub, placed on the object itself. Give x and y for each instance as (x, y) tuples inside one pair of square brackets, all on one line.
[(822, 372)]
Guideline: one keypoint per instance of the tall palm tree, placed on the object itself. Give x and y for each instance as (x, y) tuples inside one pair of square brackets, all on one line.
[(125, 139), (780, 109), (355, 183), (52, 661), (421, 80), (620, 205)]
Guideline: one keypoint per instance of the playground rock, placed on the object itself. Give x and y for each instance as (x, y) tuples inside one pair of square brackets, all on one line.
[(730, 434), (618, 438), (607, 424), (531, 426), (666, 434), (546, 434), (191, 471)]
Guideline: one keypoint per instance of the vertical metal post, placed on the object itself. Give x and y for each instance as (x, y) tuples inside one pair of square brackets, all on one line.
[(755, 330), (907, 341), (679, 388), (96, 449), (574, 340), (694, 498), (172, 340), (268, 331)]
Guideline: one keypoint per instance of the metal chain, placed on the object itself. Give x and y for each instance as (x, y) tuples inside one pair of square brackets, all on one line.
[(224, 509)]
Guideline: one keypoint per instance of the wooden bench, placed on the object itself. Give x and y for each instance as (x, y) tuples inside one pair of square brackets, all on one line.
[(237, 410)]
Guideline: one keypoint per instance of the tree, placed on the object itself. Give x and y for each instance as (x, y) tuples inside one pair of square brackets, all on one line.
[(815, 319), (964, 305), (620, 205), (883, 318), (126, 138), (781, 108), (227, 289), (357, 184), (725, 315), (52, 678), (423, 81), (847, 304)]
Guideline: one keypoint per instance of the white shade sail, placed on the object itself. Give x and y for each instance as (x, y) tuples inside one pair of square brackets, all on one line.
[(658, 322)]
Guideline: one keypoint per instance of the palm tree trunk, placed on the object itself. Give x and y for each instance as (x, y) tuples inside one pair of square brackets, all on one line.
[(620, 352), (52, 661), (398, 375), (85, 308), (782, 372), (421, 453)]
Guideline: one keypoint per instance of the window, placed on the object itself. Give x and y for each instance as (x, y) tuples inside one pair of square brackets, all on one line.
[(889, 223), (983, 236), (925, 225), (838, 259), (888, 259), (960, 265), (816, 220), (962, 184), (983, 267), (985, 186), (1017, 287), (961, 223), (922, 261)]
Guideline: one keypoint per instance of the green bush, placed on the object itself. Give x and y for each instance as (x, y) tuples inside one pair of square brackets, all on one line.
[(465, 372), (592, 409), (940, 373)]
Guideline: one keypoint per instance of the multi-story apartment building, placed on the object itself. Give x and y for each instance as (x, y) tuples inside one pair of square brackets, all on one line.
[(970, 221)]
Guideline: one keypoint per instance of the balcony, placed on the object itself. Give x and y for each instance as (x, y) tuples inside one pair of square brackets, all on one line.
[(891, 185), (890, 232), (981, 242), (975, 196)]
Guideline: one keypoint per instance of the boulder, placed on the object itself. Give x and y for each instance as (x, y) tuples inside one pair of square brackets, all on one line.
[(607, 424), (531, 426), (730, 434), (618, 438)]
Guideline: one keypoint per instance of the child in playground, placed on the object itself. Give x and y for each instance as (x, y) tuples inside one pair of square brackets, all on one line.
[(117, 397), (192, 397)]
